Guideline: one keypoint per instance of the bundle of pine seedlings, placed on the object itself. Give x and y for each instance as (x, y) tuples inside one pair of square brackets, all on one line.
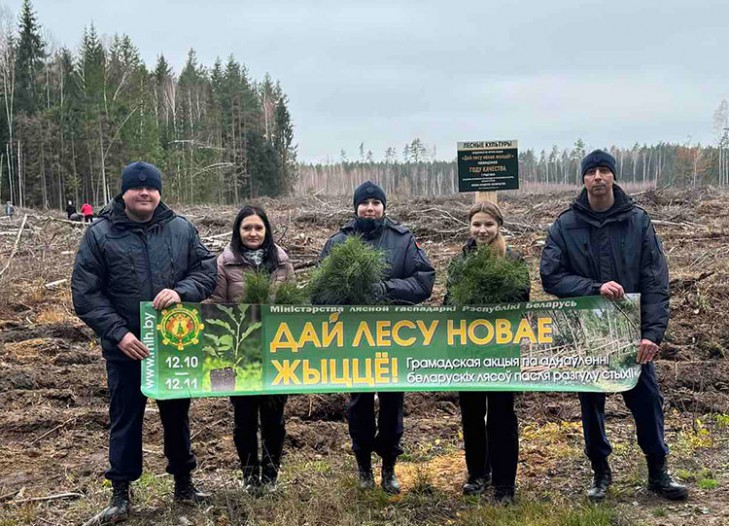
[(259, 288), (483, 276), (349, 275)]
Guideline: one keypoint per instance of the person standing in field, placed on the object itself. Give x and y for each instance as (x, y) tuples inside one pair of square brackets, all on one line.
[(70, 210), (88, 212), (139, 250), (409, 281), (604, 244), (252, 249), (491, 444)]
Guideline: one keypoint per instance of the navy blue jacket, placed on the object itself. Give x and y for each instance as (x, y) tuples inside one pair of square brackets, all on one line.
[(410, 276), (586, 249), (120, 263)]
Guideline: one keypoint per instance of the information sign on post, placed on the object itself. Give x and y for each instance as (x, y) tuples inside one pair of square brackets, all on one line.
[(488, 166)]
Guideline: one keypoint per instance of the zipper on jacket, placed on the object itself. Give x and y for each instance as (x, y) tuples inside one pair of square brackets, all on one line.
[(595, 270), (149, 264)]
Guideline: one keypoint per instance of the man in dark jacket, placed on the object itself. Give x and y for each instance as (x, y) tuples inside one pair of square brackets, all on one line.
[(139, 250), (604, 244), (410, 278)]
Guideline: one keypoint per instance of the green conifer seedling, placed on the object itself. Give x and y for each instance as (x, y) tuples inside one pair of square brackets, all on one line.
[(483, 277), (348, 275)]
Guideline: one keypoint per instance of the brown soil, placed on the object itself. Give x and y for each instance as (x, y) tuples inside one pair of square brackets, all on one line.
[(53, 423)]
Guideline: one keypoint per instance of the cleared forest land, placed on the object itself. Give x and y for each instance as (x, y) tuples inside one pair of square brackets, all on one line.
[(53, 395)]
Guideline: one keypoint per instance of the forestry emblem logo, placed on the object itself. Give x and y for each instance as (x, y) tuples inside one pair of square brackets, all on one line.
[(180, 327)]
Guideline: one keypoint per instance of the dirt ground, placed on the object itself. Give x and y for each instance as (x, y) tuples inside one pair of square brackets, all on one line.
[(53, 394)]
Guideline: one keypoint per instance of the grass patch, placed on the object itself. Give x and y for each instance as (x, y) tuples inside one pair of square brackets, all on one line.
[(708, 484), (528, 513)]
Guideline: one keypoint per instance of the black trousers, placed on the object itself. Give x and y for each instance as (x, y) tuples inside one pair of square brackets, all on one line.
[(246, 411), (644, 401), (126, 413), (494, 441), (384, 437)]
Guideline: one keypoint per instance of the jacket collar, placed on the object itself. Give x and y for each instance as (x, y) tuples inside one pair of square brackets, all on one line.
[(622, 207)]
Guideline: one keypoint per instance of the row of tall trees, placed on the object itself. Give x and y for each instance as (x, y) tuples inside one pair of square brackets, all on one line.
[(72, 120), (660, 165)]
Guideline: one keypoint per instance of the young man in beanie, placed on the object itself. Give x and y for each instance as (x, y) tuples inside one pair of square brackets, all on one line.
[(409, 281), (139, 250), (606, 245)]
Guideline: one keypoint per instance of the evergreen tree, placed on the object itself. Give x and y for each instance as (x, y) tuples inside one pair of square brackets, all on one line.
[(30, 54)]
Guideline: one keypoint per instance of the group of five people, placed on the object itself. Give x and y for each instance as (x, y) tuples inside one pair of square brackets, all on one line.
[(140, 250)]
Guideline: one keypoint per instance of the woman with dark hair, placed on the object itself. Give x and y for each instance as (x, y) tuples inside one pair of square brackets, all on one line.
[(492, 444), (252, 249)]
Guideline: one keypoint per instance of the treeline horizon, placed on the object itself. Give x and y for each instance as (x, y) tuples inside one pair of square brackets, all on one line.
[(72, 120), (416, 172)]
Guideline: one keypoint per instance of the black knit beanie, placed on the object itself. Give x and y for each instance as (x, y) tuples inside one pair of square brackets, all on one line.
[(597, 159), (139, 174), (368, 190)]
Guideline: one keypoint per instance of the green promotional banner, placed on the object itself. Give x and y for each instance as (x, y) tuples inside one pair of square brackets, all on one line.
[(577, 344)]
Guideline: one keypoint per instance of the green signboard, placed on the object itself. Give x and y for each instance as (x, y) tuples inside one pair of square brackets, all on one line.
[(487, 166), (578, 344)]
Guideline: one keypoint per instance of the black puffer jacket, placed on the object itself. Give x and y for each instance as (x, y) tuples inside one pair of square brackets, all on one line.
[(120, 263), (585, 249), (410, 276)]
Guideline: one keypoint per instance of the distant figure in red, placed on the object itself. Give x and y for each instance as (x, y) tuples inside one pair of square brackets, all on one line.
[(88, 212)]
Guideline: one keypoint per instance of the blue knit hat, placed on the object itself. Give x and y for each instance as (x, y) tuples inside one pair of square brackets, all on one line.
[(597, 159), (368, 190), (139, 174)]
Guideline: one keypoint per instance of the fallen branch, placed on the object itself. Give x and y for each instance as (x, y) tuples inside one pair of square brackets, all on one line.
[(15, 247), (49, 497), (59, 426), (54, 284), (10, 495), (680, 284), (205, 427)]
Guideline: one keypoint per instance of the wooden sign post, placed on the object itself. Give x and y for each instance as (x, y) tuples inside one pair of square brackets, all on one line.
[(485, 167)]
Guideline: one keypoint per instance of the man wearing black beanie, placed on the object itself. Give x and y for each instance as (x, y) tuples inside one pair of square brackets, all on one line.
[(606, 245), (139, 250)]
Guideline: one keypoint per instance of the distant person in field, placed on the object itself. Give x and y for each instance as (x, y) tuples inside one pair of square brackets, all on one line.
[(252, 249), (604, 244), (88, 212), (9, 210), (139, 250), (492, 444), (70, 210), (409, 281)]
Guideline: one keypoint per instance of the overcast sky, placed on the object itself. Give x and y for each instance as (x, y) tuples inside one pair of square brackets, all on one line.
[(384, 72)]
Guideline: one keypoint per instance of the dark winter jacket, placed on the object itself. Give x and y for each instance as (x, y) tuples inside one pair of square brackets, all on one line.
[(410, 276), (468, 249), (121, 262), (586, 249)]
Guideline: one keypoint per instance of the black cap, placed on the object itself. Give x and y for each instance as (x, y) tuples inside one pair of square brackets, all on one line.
[(140, 174), (597, 159), (368, 190)]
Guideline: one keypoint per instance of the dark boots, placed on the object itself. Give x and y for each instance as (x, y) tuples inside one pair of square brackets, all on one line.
[(389, 480), (661, 483), (118, 509), (504, 495), (364, 472), (601, 480), (251, 480), (474, 486), (269, 477), (186, 492)]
